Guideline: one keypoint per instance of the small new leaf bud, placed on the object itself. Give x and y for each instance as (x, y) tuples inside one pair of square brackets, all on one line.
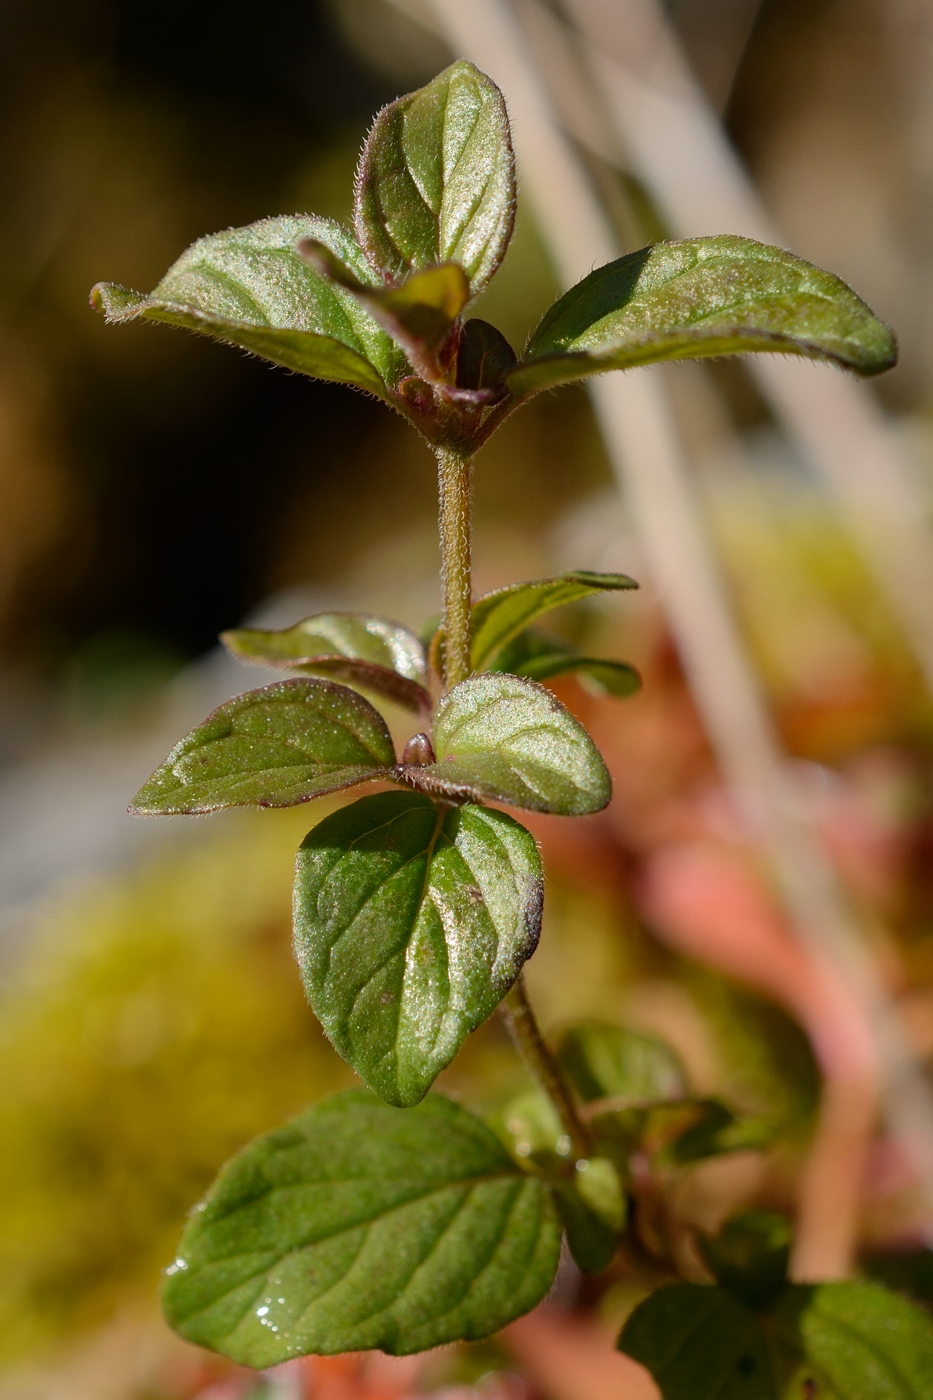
[(418, 752)]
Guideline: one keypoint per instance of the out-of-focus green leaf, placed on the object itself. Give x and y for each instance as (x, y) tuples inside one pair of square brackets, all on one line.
[(436, 180), (749, 1255), (612, 1062), (499, 617), (869, 1343), (250, 287), (530, 1125), (593, 1208), (702, 296), (365, 650), (418, 314), (510, 740), (358, 1226), (717, 1130), (773, 1076), (412, 920), (698, 1340), (273, 747), (590, 1195), (541, 657), (676, 1132), (845, 1341)]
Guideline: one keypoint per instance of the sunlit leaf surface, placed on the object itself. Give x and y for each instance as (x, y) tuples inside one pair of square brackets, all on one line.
[(273, 747), (412, 920), (499, 617), (510, 740), (436, 180), (702, 296), (360, 1226), (250, 287)]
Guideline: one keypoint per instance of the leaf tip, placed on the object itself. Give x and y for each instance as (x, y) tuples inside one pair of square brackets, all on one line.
[(884, 356), (115, 302)]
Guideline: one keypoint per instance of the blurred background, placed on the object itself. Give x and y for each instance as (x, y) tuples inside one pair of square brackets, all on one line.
[(156, 488)]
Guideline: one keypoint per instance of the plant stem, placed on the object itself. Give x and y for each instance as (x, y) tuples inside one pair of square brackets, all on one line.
[(524, 1030), (455, 481), (455, 478)]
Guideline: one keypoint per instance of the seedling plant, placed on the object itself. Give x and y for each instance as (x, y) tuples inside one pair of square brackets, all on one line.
[(388, 1216)]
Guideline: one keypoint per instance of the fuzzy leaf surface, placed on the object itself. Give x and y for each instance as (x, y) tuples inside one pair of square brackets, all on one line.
[(365, 650), (853, 1341), (412, 921), (273, 747), (250, 287), (702, 296), (358, 1226), (436, 180), (541, 657), (508, 739)]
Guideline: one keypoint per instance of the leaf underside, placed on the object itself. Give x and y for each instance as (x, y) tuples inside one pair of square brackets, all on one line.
[(412, 921), (360, 648), (508, 739), (358, 1226), (274, 747), (250, 287), (436, 179), (696, 297)]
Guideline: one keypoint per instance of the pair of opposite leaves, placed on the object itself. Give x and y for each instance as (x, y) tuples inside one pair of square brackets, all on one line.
[(434, 209), (412, 918), (358, 1226)]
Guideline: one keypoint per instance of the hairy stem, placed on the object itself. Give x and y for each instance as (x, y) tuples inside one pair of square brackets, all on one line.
[(523, 1027), (455, 480)]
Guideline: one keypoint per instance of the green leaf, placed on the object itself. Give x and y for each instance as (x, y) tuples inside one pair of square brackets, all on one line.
[(676, 1132), (250, 287), (358, 1226), (844, 1341), (531, 1127), (717, 1130), (702, 296), (501, 616), (697, 1341), (592, 1206), (419, 314), (510, 740), (541, 657), (436, 180), (612, 1062), (273, 747), (365, 650), (869, 1343), (589, 1195), (412, 921), (749, 1256)]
